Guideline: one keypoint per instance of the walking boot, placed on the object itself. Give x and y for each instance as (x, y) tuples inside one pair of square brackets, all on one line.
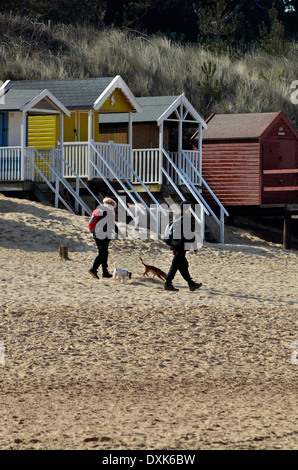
[(194, 285), (107, 274), (93, 273), (170, 287)]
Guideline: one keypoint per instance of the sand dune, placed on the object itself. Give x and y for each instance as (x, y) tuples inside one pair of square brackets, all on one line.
[(103, 364)]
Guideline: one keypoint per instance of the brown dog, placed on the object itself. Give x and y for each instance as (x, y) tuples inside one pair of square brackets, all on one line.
[(155, 271)]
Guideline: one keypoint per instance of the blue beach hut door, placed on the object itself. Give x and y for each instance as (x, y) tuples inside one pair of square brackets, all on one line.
[(3, 130), (3, 140)]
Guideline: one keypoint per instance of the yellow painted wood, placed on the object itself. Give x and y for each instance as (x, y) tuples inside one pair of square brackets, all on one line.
[(43, 134), (76, 127), (43, 131), (70, 128), (117, 102), (95, 118), (83, 126), (153, 188)]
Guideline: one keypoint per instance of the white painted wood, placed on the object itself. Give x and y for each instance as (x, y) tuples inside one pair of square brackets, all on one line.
[(23, 143)]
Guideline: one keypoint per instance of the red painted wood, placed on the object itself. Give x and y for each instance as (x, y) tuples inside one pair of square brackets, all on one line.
[(281, 188), (232, 171), (258, 171)]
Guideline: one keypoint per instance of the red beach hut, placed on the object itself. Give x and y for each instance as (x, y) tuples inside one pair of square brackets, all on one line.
[(251, 159)]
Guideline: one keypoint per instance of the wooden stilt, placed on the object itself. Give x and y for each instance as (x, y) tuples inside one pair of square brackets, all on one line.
[(287, 231), (63, 252)]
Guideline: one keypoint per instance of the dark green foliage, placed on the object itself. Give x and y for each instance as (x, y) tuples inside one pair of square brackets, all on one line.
[(272, 39), (210, 87), (28, 36), (222, 21), (250, 81)]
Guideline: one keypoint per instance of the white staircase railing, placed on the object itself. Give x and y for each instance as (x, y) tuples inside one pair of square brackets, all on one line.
[(108, 162), (47, 171), (183, 164), (220, 221), (95, 169), (191, 188), (112, 154), (65, 167), (184, 178), (121, 170)]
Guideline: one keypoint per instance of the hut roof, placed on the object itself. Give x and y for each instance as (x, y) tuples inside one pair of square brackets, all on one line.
[(83, 93), (29, 100), (153, 107), (156, 109), (237, 126), (16, 100)]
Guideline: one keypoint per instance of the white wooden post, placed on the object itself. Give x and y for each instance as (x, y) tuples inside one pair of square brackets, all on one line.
[(77, 193), (130, 143), (180, 140), (158, 222), (202, 223), (89, 143), (160, 152), (31, 167), (200, 151), (130, 129), (222, 226), (57, 189), (61, 153), (23, 144)]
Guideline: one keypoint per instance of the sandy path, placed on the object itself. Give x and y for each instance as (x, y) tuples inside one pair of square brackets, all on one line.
[(108, 365)]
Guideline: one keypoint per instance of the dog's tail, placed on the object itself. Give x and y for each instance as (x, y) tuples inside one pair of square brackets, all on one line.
[(115, 263), (142, 261)]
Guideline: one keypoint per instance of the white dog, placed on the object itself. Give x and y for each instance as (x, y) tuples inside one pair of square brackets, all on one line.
[(121, 273)]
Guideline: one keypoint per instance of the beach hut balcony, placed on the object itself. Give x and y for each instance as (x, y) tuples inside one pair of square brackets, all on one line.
[(132, 164)]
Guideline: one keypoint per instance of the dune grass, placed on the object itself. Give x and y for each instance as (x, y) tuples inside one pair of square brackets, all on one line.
[(242, 82)]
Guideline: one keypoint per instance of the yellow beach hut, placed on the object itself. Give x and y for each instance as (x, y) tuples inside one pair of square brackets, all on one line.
[(86, 99)]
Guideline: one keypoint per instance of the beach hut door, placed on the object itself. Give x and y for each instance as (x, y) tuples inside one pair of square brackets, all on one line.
[(287, 154), (3, 130)]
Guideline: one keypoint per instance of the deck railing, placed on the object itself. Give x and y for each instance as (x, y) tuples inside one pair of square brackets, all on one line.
[(144, 162), (146, 165), (109, 161), (110, 155), (10, 163), (221, 220), (184, 164), (76, 155)]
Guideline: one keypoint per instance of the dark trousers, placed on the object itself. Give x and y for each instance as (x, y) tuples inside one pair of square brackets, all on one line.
[(103, 253), (180, 264)]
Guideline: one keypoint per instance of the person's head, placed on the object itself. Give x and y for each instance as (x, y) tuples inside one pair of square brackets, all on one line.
[(110, 202)]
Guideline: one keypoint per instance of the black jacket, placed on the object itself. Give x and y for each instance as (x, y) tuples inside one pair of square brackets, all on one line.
[(184, 238)]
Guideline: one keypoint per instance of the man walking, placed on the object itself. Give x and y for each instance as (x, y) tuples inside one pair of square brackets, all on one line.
[(183, 240)]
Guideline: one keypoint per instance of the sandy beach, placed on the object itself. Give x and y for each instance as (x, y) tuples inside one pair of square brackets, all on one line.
[(104, 364)]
